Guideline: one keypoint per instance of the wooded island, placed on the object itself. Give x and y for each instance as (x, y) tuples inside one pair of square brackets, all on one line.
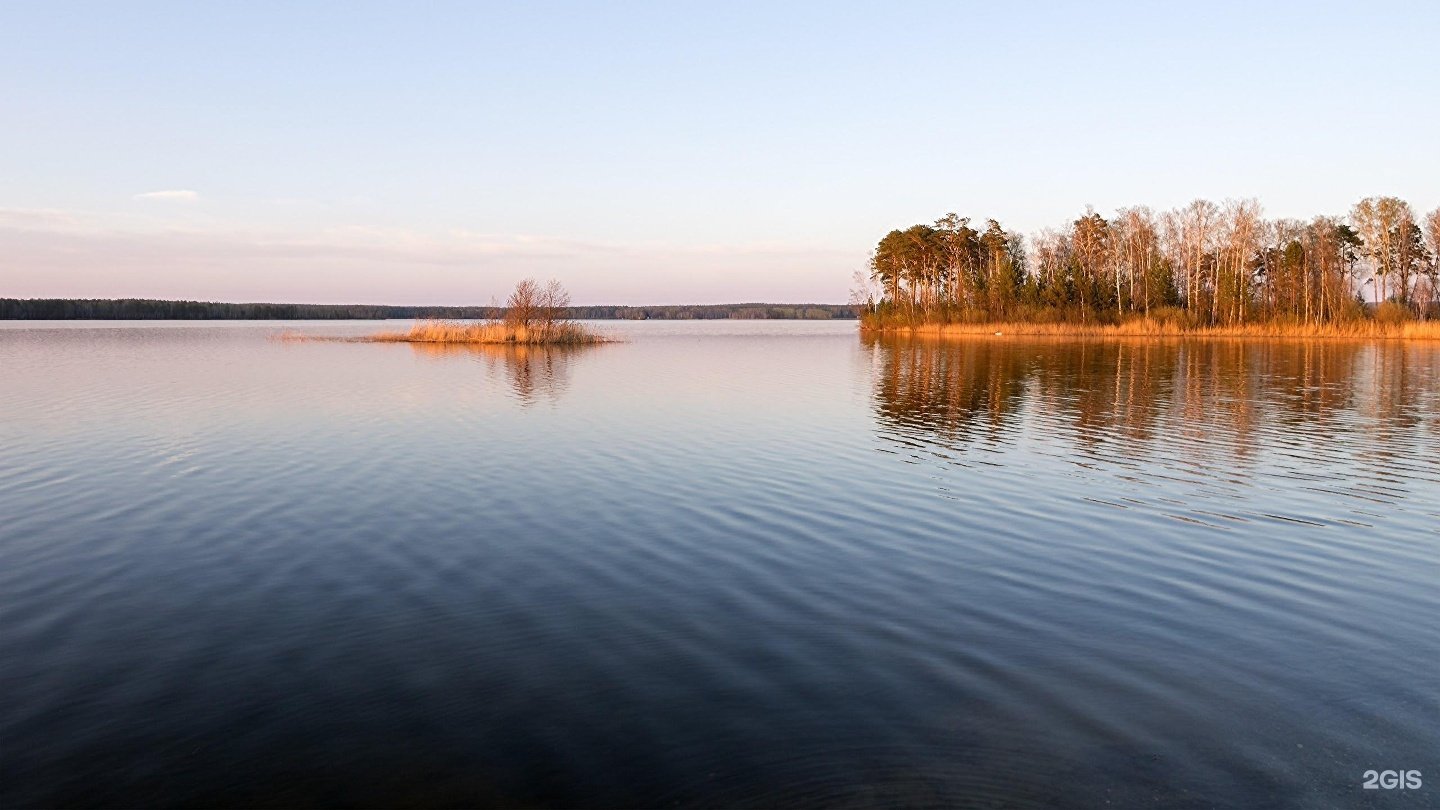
[(1201, 268)]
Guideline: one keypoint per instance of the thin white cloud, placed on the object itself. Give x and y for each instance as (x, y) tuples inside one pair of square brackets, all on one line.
[(49, 218), (180, 195)]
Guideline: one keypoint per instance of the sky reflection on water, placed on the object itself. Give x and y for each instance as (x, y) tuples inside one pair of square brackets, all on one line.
[(753, 563)]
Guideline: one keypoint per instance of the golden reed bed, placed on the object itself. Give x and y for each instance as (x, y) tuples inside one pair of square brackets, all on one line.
[(558, 333), (450, 333), (1412, 330)]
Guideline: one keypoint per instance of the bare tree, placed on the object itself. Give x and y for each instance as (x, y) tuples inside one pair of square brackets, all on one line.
[(1198, 225), (862, 292), (1431, 228), (1384, 224), (522, 308), (553, 303), (1051, 259), (1241, 238), (1138, 239)]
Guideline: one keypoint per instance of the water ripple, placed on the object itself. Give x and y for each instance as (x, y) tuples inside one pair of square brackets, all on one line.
[(716, 565)]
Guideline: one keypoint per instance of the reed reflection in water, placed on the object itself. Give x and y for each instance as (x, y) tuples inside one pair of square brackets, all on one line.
[(533, 373)]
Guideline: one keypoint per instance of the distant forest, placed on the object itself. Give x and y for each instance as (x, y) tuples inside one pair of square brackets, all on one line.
[(1202, 265), (149, 309)]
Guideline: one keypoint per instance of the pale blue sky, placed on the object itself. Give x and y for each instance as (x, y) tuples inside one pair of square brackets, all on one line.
[(665, 152)]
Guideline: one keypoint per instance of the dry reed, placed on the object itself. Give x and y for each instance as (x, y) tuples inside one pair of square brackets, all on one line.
[(555, 333), (1411, 330)]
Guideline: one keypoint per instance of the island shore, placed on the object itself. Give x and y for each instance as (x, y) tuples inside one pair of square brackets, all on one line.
[(557, 333), (1360, 329)]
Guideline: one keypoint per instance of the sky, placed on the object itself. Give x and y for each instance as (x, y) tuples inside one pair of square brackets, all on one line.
[(668, 152)]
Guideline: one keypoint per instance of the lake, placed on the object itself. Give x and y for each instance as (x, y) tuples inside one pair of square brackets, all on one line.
[(752, 563)]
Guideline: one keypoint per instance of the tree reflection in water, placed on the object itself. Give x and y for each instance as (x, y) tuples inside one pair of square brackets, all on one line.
[(534, 373), (1134, 398)]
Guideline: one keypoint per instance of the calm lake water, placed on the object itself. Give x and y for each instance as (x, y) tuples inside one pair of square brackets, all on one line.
[(720, 564)]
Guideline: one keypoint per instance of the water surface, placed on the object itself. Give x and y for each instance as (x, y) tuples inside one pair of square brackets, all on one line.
[(738, 564)]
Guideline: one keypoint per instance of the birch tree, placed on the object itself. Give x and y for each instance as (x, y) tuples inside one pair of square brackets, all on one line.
[(1431, 228), (1379, 222)]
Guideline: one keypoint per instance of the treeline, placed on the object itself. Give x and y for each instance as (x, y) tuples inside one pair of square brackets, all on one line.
[(150, 309), (1201, 265), (61, 309)]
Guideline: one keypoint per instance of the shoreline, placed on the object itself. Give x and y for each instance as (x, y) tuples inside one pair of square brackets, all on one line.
[(1361, 330)]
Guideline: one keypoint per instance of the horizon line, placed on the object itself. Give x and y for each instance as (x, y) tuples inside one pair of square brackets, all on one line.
[(425, 306)]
